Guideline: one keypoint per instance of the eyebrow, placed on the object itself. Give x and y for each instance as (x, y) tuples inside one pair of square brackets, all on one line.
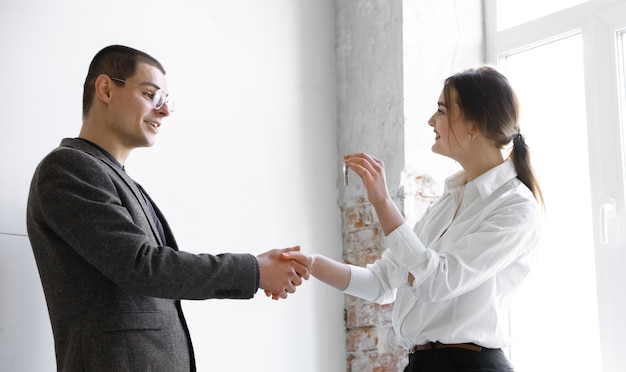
[(441, 104), (151, 85)]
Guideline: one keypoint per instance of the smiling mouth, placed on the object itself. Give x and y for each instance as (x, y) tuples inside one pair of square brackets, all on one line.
[(153, 124)]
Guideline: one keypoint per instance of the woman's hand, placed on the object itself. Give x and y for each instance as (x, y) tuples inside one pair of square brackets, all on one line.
[(329, 271), (304, 259), (372, 173)]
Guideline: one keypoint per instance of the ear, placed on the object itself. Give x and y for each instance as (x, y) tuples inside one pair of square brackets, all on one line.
[(103, 86), (472, 130)]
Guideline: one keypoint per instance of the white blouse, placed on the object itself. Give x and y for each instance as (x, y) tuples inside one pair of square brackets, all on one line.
[(469, 254)]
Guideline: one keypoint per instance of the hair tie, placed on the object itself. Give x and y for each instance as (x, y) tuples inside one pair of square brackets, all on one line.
[(519, 146), (518, 139)]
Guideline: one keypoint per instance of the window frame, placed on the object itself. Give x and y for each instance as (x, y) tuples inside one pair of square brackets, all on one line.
[(598, 21)]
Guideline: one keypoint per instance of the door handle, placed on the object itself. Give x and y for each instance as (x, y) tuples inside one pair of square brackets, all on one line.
[(607, 211)]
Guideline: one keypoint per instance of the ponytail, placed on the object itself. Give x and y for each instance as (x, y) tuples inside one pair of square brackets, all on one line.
[(521, 160)]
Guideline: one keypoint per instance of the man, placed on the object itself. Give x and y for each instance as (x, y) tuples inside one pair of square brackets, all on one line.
[(109, 264)]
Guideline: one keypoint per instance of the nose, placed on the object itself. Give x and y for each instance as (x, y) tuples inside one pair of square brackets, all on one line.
[(431, 121), (165, 110)]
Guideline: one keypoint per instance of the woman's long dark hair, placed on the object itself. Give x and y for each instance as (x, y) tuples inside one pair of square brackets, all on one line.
[(485, 97)]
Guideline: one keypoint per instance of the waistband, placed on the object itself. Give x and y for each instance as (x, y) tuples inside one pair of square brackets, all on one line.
[(439, 345)]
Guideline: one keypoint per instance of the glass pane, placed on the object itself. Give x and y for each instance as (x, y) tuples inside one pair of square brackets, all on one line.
[(514, 12), (557, 308)]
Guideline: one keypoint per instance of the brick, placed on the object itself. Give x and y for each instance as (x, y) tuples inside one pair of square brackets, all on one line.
[(362, 313), (374, 361), (392, 361), (368, 238), (358, 216), (359, 339)]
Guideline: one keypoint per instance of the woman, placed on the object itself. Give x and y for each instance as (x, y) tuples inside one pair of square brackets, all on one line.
[(453, 275)]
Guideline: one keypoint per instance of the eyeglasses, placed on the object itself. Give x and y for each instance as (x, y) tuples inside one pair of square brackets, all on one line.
[(158, 98)]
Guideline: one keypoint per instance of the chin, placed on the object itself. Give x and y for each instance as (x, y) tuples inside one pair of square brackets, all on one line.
[(145, 144), (149, 141), (439, 152)]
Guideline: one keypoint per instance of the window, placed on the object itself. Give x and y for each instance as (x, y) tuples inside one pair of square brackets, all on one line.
[(515, 12), (553, 121), (567, 66)]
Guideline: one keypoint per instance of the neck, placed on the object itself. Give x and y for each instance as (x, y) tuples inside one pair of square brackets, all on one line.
[(112, 147), (477, 166)]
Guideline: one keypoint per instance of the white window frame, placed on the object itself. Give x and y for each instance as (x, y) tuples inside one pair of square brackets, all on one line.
[(598, 22)]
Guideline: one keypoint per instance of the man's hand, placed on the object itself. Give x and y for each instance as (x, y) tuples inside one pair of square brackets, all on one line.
[(279, 277)]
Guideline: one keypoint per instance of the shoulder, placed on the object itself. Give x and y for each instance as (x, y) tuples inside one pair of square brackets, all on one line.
[(68, 155), (68, 158), (518, 192), (70, 169), (517, 204)]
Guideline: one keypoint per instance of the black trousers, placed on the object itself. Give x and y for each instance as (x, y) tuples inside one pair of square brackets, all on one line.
[(459, 360)]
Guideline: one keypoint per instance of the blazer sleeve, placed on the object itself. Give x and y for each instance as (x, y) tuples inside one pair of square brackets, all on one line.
[(81, 200)]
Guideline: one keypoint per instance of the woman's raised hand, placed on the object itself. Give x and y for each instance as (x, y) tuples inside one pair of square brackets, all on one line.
[(372, 173)]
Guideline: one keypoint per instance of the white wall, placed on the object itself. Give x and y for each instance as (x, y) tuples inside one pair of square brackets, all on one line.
[(247, 163)]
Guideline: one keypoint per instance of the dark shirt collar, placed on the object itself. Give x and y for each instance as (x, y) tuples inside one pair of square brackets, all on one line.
[(105, 152)]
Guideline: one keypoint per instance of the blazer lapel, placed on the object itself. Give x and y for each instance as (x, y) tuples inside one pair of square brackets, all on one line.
[(117, 168)]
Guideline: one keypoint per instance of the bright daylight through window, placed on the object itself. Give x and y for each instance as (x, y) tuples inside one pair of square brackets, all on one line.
[(566, 60)]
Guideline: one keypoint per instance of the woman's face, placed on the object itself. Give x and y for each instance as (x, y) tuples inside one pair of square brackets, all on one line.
[(452, 136)]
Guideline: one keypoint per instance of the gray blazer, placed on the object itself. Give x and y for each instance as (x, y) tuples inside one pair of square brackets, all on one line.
[(113, 288)]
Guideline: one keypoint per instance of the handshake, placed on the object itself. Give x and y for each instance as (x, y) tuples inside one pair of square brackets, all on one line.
[(282, 270)]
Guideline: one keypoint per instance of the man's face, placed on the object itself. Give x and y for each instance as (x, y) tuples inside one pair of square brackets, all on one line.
[(132, 119)]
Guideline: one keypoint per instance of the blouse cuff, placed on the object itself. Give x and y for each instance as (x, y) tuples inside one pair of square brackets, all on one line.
[(363, 283)]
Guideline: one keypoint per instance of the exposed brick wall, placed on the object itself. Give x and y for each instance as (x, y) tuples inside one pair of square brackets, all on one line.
[(370, 340)]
